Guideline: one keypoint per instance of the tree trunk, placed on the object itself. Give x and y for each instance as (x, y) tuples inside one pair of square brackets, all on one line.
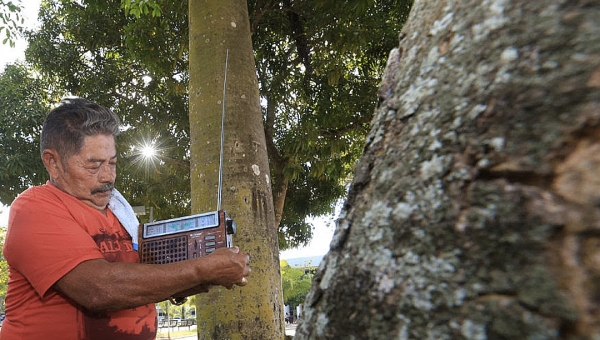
[(256, 310), (277, 164), (475, 209)]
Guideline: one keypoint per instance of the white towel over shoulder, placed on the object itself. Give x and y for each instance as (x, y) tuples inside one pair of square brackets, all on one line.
[(124, 212)]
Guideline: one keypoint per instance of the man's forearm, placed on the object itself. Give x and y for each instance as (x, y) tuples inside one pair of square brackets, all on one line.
[(100, 286)]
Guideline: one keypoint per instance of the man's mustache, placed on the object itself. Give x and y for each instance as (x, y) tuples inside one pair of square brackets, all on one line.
[(104, 188)]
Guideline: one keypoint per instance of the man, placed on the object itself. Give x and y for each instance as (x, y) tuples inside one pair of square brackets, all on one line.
[(73, 270)]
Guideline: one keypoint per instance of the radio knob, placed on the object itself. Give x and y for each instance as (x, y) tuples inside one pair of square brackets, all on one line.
[(231, 228)]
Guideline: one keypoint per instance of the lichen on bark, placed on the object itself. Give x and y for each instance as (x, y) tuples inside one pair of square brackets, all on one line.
[(474, 212)]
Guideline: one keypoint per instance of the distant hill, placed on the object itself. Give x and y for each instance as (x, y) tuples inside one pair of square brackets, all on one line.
[(311, 261)]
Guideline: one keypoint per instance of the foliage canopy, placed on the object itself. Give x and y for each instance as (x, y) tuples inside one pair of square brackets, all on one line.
[(295, 283), (10, 21)]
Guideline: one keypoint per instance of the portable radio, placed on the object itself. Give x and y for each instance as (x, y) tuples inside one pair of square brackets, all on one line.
[(192, 236), (186, 237)]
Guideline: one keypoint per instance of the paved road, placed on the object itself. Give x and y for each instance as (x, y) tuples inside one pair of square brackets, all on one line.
[(290, 329)]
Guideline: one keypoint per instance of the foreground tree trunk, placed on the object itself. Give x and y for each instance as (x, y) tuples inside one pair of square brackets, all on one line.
[(256, 310), (475, 210)]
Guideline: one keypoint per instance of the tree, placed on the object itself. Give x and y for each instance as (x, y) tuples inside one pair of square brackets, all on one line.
[(25, 100), (220, 40), (3, 270), (473, 213), (316, 108), (295, 283), (168, 311), (319, 63), (10, 21), (135, 66)]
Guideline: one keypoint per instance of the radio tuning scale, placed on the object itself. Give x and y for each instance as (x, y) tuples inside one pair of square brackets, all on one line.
[(191, 236)]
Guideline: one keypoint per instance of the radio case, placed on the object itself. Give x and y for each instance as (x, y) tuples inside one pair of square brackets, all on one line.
[(185, 238)]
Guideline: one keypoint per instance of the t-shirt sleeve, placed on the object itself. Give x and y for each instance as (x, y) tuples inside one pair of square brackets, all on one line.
[(44, 242)]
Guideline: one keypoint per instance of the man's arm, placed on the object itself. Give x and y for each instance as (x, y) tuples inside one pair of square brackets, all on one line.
[(99, 286)]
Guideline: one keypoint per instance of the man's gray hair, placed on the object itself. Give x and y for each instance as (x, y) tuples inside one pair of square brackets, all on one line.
[(67, 125)]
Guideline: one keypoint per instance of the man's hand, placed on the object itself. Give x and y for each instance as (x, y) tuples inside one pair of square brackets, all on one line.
[(230, 267)]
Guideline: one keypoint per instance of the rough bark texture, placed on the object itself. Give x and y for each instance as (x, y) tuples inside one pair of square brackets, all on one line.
[(475, 210), (256, 310)]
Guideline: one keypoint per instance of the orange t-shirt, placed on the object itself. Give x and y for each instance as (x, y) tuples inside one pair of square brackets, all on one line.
[(49, 234)]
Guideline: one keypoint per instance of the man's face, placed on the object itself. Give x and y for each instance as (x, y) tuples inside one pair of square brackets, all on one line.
[(90, 174)]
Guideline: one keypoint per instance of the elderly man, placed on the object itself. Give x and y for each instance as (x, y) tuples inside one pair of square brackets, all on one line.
[(74, 272)]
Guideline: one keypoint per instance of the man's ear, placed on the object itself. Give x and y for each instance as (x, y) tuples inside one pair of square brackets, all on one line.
[(52, 162)]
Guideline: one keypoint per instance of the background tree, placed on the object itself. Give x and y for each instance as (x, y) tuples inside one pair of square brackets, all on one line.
[(295, 283), (10, 21), (185, 311), (318, 65), (474, 210), (3, 270), (25, 100), (135, 66)]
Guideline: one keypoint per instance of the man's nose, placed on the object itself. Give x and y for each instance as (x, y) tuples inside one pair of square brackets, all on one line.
[(107, 173)]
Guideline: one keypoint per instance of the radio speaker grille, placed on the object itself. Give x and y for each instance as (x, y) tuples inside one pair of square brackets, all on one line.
[(165, 250)]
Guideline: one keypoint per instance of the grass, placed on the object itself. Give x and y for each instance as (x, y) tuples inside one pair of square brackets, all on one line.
[(163, 334)]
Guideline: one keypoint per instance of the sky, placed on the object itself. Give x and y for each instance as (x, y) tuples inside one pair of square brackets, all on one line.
[(324, 227), (9, 54)]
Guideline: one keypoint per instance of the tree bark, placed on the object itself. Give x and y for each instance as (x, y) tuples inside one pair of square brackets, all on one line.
[(475, 210), (277, 164), (256, 310)]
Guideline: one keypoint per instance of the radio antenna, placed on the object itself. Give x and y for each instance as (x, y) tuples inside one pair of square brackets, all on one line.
[(220, 188)]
